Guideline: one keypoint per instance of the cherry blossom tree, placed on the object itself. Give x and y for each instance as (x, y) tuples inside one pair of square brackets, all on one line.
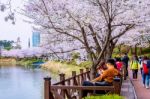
[(5, 6), (92, 25), (21, 53)]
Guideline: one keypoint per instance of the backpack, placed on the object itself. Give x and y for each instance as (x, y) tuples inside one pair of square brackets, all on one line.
[(145, 69), (119, 65), (148, 63)]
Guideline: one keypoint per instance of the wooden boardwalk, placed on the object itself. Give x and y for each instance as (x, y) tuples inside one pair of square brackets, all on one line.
[(141, 92)]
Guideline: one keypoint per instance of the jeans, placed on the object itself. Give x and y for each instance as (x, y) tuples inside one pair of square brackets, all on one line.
[(135, 73), (141, 69), (146, 78), (143, 77), (126, 66), (88, 83)]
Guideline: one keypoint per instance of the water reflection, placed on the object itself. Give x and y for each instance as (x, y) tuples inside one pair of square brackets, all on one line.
[(21, 83)]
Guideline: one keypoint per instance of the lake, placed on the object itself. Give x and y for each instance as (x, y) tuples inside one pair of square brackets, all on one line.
[(17, 82)]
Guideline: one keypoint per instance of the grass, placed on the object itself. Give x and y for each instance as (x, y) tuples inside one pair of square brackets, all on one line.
[(59, 67), (27, 62), (105, 97), (7, 61)]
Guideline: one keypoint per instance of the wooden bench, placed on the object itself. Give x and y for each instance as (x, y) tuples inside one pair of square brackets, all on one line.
[(72, 88)]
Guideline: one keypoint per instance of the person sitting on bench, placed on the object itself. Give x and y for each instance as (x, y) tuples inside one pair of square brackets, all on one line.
[(105, 79)]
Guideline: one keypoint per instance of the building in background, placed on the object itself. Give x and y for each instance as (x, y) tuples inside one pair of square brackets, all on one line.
[(17, 44), (28, 42), (35, 39)]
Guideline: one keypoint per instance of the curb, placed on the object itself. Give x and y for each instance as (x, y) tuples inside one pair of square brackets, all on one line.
[(135, 96)]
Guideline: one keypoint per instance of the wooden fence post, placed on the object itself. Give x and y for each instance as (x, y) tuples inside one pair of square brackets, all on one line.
[(124, 72), (47, 88), (82, 76), (88, 73), (62, 78), (117, 85), (74, 78)]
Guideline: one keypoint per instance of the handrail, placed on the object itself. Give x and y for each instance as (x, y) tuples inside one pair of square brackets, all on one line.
[(66, 87), (83, 87), (70, 78)]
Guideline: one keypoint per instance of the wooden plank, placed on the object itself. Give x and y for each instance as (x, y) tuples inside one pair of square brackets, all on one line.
[(70, 78), (57, 96), (84, 87), (68, 94)]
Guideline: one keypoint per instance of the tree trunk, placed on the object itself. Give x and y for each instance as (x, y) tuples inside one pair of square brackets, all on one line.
[(108, 52), (119, 49), (128, 49), (131, 51), (140, 50), (93, 71), (135, 50)]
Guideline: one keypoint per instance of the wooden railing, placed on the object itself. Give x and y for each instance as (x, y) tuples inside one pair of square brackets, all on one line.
[(71, 88)]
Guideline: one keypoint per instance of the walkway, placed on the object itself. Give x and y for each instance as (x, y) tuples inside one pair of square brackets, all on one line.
[(141, 92), (127, 90)]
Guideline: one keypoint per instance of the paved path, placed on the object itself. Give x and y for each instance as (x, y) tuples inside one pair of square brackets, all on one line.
[(127, 90), (141, 92)]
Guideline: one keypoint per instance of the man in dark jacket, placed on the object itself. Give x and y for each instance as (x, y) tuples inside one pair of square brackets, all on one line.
[(125, 60)]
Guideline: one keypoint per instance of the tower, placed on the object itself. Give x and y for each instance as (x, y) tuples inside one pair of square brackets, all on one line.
[(28, 42), (18, 44), (35, 39)]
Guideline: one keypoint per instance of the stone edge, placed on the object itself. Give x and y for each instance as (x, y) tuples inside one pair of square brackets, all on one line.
[(135, 96)]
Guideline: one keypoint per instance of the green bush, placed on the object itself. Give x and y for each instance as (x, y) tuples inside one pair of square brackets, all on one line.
[(28, 61), (146, 51), (75, 55), (85, 64), (105, 97)]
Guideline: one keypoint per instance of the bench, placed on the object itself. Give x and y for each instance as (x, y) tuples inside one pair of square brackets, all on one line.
[(75, 92)]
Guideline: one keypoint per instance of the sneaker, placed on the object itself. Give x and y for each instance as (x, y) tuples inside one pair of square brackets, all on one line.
[(147, 87)]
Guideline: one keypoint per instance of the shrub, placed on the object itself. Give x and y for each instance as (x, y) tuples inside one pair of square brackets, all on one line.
[(75, 55), (85, 64), (105, 97), (146, 51)]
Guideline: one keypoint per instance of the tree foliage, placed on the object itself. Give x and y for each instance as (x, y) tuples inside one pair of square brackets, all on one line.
[(6, 44), (6, 7), (94, 26)]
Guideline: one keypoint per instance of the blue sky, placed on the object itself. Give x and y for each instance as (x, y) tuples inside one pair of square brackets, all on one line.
[(21, 29)]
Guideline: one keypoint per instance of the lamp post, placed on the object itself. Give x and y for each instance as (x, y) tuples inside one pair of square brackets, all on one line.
[(0, 51)]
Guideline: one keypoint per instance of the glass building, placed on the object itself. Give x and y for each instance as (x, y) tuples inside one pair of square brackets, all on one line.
[(35, 39)]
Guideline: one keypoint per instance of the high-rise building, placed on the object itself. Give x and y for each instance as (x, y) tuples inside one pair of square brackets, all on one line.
[(28, 42), (17, 44), (35, 39)]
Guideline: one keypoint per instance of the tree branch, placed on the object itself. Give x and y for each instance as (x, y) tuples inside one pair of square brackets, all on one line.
[(95, 38), (59, 30), (102, 10), (126, 29), (92, 55)]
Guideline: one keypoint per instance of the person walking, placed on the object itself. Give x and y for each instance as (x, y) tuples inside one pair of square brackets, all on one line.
[(147, 78), (134, 66), (141, 65), (125, 60), (145, 72)]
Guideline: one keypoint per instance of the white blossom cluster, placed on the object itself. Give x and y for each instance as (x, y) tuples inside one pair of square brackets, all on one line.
[(63, 20)]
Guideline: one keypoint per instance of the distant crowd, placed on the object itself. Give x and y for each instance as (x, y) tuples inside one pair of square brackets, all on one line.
[(135, 64)]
